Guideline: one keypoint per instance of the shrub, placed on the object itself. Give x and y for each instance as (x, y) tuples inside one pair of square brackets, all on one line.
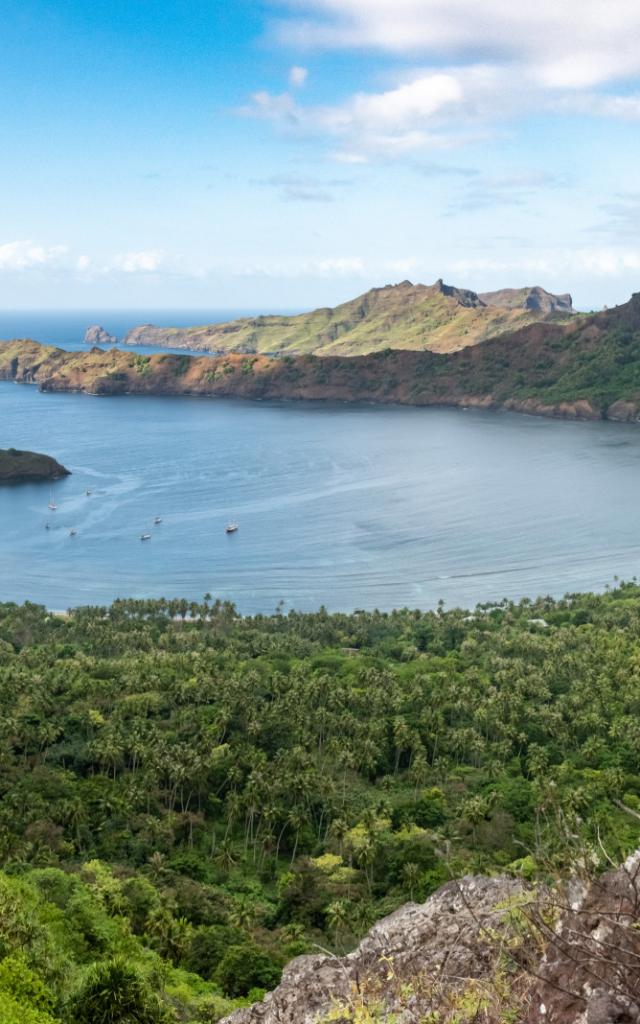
[(114, 992), (244, 967)]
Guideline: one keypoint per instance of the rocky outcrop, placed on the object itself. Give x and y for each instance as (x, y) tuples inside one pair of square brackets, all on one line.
[(591, 970), (535, 299), (481, 949), (407, 965), (18, 466), (97, 335)]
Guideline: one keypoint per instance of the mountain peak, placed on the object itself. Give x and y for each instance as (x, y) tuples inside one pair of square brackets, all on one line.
[(533, 298), (463, 296)]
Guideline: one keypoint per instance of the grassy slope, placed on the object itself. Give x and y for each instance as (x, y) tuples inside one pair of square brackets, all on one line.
[(405, 316)]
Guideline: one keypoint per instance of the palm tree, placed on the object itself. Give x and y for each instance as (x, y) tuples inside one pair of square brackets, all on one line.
[(410, 874), (337, 915)]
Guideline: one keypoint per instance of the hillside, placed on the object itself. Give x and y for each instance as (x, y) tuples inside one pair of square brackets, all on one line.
[(437, 318), (190, 799), (586, 367), (17, 466)]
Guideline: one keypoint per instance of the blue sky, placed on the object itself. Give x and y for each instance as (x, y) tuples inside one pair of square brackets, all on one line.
[(182, 153)]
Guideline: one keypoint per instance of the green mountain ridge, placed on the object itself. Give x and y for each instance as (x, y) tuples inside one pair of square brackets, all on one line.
[(437, 318)]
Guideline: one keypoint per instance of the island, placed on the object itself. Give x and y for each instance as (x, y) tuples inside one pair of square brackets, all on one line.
[(20, 466)]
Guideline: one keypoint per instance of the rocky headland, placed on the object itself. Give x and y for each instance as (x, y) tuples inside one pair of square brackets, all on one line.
[(18, 466), (418, 317)]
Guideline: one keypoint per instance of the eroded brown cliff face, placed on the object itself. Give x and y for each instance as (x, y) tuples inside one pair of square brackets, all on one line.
[(483, 376)]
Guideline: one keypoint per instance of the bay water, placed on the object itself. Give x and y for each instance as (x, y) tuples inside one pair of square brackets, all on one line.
[(350, 506)]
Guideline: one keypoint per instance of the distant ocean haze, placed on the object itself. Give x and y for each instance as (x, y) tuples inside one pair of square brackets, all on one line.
[(66, 328)]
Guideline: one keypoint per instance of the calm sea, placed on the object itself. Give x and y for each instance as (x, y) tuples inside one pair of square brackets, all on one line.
[(347, 506)]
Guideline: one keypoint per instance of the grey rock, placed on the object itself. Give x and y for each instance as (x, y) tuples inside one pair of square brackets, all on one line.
[(536, 299), (591, 969), (435, 945)]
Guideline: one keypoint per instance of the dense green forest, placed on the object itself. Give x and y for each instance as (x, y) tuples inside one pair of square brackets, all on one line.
[(189, 798)]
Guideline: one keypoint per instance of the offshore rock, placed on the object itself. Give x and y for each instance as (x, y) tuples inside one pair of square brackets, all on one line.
[(20, 466), (97, 335)]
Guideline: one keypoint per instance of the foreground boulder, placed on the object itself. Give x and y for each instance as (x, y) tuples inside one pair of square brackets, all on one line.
[(591, 970), (408, 965), (487, 950)]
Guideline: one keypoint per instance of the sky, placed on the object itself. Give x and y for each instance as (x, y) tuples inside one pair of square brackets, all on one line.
[(287, 155)]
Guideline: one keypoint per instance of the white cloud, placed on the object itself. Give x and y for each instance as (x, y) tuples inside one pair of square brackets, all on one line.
[(594, 262), (145, 261), (321, 266), (620, 108), (396, 121), (27, 255), (481, 64), (571, 43), (297, 76), (333, 266)]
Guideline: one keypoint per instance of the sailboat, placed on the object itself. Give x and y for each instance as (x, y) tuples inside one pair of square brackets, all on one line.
[(231, 527), (157, 520), (145, 536), (72, 532), (52, 504)]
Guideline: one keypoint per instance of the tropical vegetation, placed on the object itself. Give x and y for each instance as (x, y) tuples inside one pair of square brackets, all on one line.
[(190, 798)]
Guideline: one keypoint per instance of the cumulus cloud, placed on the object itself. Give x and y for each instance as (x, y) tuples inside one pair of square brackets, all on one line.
[(399, 120), (27, 255), (297, 76), (474, 66), (572, 43)]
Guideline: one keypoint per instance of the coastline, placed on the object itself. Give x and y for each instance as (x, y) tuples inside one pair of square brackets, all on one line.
[(394, 377)]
